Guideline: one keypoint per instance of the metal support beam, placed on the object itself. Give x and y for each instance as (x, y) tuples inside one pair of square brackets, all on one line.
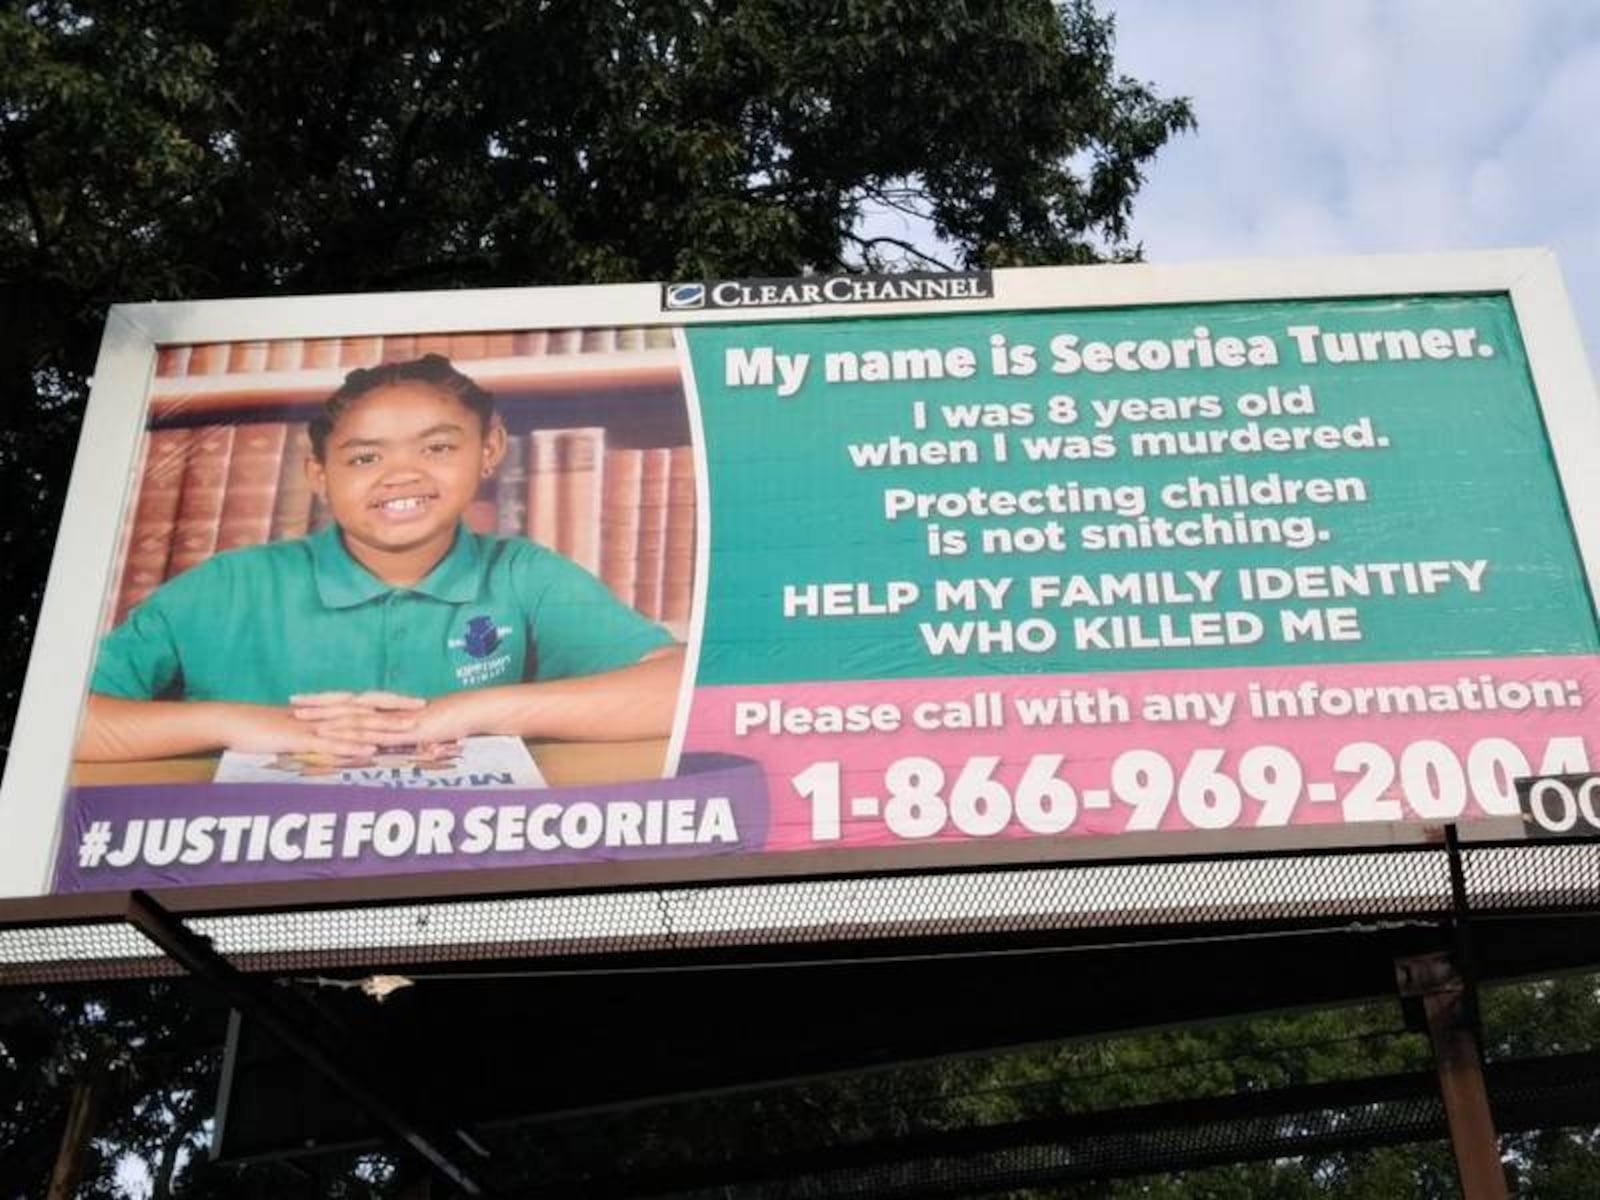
[(1304, 1120), (260, 1003), (1433, 979)]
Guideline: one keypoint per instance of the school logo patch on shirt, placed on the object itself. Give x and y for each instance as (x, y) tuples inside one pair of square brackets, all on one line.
[(478, 643), (482, 637)]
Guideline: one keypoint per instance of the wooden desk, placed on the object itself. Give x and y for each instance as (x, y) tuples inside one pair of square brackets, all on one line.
[(563, 764)]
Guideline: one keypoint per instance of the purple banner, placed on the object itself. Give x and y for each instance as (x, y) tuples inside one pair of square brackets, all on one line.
[(170, 835)]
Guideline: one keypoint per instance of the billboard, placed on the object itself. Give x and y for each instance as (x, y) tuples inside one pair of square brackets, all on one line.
[(773, 577)]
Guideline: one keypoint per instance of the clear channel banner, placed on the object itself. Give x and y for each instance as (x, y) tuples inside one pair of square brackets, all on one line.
[(749, 588)]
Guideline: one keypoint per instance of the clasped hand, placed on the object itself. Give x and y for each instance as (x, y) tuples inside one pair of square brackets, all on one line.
[(366, 722)]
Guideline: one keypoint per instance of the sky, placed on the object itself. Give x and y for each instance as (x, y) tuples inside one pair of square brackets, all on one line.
[(1374, 126)]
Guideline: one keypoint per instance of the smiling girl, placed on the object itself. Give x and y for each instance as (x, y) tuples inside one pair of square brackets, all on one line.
[(394, 625)]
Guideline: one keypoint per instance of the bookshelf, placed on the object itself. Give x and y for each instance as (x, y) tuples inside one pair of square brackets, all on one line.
[(599, 464)]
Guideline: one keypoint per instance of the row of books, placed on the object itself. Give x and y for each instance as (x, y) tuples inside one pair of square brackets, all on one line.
[(297, 354), (625, 514)]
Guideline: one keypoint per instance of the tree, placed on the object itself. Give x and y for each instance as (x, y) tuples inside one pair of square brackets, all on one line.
[(1252, 1054), (166, 149), (163, 149), (136, 1063)]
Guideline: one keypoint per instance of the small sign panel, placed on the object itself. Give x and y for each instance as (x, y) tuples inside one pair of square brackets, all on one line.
[(1561, 805), (829, 290)]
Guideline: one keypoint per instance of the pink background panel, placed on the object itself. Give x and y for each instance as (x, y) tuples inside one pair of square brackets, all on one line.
[(1091, 749)]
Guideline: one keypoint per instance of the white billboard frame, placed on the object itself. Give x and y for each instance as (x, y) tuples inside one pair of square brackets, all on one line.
[(106, 462)]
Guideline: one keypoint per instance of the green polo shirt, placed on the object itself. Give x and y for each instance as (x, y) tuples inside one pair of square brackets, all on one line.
[(261, 624)]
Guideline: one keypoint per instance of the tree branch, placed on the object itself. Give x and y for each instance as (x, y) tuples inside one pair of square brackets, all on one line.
[(883, 197), (406, 145), (867, 244), (19, 168)]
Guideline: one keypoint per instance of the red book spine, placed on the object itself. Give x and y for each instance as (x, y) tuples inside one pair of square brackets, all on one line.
[(399, 347), (360, 352), (246, 357), (285, 354), (173, 360), (544, 488), (619, 523), (651, 557), (677, 587), (291, 510), (194, 538), (580, 455), (154, 517), (531, 343), (210, 358), (251, 492), (321, 353)]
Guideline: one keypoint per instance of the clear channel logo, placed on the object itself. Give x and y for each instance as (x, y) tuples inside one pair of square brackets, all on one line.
[(684, 295), (825, 290)]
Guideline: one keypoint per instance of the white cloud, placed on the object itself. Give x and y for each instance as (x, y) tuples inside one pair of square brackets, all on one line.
[(1349, 126)]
